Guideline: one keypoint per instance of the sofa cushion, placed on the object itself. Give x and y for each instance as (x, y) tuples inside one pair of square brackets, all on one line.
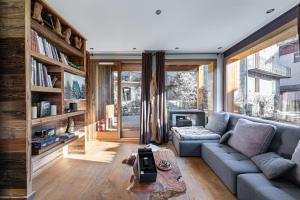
[(294, 175), (272, 165), (189, 147), (224, 139), (251, 138), (257, 186), (286, 136), (217, 123), (227, 163), (194, 133)]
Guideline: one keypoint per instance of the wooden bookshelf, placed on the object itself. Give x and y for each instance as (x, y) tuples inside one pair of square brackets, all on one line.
[(52, 62), (44, 120), (49, 149), (45, 89), (18, 95), (55, 39)]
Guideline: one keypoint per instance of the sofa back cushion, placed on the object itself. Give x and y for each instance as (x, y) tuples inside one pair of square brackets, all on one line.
[(217, 123), (286, 136), (251, 138)]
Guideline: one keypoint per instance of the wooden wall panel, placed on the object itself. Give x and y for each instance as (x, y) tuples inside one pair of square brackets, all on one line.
[(12, 13), (15, 171), (105, 90), (91, 98)]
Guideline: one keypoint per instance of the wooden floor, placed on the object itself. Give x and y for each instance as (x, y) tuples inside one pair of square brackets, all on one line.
[(99, 175)]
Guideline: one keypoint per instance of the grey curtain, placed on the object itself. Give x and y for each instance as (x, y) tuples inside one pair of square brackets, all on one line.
[(153, 112)]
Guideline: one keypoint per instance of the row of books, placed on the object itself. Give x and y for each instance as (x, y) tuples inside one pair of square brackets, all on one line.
[(44, 138), (40, 76), (42, 46)]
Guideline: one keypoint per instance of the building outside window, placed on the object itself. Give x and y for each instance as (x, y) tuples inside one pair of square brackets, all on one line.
[(266, 84)]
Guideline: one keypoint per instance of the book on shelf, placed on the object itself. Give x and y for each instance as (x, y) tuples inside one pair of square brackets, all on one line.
[(39, 74), (42, 46)]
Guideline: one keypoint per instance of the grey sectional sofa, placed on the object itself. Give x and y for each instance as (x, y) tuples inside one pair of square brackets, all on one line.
[(237, 171), (242, 176)]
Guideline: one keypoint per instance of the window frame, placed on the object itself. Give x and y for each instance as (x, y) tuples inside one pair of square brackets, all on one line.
[(286, 31)]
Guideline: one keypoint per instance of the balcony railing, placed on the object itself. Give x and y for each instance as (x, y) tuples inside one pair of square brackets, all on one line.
[(270, 67)]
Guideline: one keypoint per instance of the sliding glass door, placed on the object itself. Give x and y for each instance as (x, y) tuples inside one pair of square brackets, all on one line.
[(119, 101), (130, 103)]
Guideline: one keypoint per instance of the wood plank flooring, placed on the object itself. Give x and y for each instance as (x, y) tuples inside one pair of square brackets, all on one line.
[(100, 175)]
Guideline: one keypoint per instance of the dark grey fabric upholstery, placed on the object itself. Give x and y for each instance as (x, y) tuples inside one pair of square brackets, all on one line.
[(227, 163), (224, 139), (294, 174), (257, 186), (272, 165), (286, 136), (251, 138), (217, 123), (189, 147), (240, 174)]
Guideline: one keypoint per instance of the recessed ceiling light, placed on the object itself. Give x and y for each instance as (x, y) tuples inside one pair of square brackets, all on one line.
[(158, 12), (220, 48), (270, 10), (176, 48)]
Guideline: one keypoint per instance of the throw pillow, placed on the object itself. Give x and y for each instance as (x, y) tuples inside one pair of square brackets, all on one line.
[(272, 165), (251, 138), (225, 137), (294, 175), (218, 122)]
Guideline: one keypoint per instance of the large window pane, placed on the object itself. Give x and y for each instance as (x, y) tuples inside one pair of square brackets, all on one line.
[(181, 90), (191, 89), (130, 103), (266, 84)]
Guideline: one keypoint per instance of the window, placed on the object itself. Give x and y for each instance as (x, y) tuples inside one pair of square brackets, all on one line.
[(126, 93), (266, 83), (181, 90), (189, 87)]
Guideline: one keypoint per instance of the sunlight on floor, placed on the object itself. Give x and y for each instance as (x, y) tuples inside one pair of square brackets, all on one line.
[(96, 151)]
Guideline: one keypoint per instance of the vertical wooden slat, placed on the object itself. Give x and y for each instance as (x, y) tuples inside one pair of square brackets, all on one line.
[(91, 98)]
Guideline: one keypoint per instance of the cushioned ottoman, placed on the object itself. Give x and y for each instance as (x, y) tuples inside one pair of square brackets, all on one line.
[(188, 140), (227, 163), (257, 186)]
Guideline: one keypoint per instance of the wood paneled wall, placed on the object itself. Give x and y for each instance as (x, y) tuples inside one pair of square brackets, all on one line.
[(15, 100), (105, 90), (91, 98)]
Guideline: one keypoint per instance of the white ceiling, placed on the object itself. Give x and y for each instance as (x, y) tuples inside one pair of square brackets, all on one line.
[(198, 26)]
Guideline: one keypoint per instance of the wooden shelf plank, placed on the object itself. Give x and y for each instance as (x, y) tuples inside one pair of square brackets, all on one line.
[(53, 148), (72, 114), (45, 89), (48, 119), (55, 39), (74, 71), (49, 61)]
